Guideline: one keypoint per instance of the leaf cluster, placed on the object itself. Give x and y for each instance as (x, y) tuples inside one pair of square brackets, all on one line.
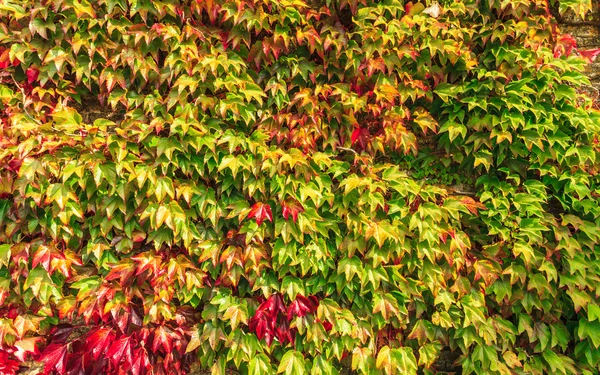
[(262, 185)]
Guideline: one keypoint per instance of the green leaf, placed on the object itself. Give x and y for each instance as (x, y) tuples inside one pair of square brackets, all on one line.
[(362, 359), (590, 330), (61, 194), (454, 129), (4, 207), (322, 366), (593, 309), (194, 342), (236, 314), (4, 254), (428, 354), (397, 361), (259, 365), (292, 363), (381, 231)]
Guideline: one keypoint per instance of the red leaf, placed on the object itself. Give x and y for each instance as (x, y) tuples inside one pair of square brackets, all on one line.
[(565, 45), (5, 59), (273, 305), (7, 366), (590, 54), (360, 136), (163, 337), (264, 321), (260, 212), (61, 333), (291, 207), (302, 306), (140, 363), (138, 236), (120, 349), (14, 165), (54, 358), (45, 255), (472, 205), (284, 333), (443, 236), (99, 340), (75, 363), (263, 325), (32, 74), (122, 271), (146, 261)]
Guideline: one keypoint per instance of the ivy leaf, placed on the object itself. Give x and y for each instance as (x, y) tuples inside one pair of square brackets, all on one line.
[(263, 325), (472, 205), (385, 361), (236, 314), (360, 138), (140, 363), (27, 346), (435, 10), (292, 363), (32, 74), (123, 271), (99, 340), (293, 208), (321, 366), (593, 312), (454, 129), (397, 361), (428, 353), (163, 338), (45, 255), (60, 194), (54, 357), (26, 323), (362, 359), (590, 54), (120, 350), (194, 342), (425, 121), (7, 366), (260, 211), (381, 231), (5, 254), (260, 365), (214, 334), (302, 306)]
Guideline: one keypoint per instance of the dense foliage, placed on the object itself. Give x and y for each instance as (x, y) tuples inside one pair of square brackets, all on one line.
[(296, 186)]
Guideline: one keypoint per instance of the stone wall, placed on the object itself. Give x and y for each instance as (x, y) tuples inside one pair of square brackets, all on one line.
[(587, 33)]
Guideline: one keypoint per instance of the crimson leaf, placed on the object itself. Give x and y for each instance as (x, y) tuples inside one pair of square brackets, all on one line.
[(590, 54), (54, 358), (7, 366), (302, 306), (99, 340), (120, 349), (260, 212), (360, 138), (293, 208), (32, 74)]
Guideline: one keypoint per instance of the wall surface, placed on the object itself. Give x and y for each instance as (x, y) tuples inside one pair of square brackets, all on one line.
[(587, 34)]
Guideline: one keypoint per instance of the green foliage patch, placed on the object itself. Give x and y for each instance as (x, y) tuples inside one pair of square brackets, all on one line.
[(269, 187)]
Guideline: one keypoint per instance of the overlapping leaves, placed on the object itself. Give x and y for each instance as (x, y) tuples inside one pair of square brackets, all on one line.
[(233, 185)]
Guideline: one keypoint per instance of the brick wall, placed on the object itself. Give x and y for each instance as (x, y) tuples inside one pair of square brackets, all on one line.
[(587, 34)]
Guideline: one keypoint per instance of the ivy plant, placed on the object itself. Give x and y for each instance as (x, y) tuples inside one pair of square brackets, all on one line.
[(297, 187)]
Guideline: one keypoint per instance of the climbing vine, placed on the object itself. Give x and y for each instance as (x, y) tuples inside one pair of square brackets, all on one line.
[(296, 186)]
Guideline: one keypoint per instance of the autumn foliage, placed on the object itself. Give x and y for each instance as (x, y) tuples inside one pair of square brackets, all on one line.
[(297, 187)]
